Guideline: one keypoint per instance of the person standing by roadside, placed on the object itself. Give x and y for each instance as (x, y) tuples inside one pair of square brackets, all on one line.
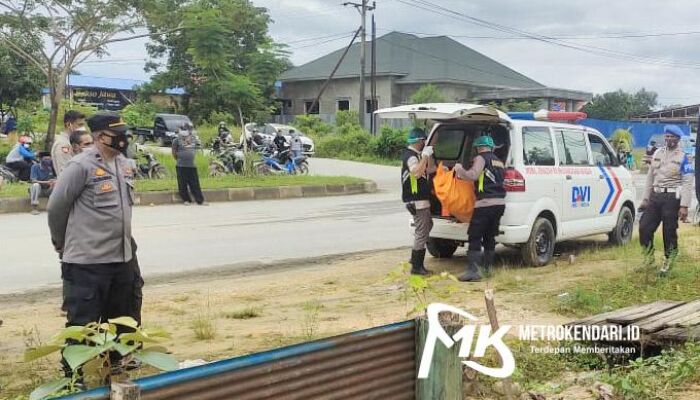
[(80, 140), (184, 150), (667, 196), (295, 145), (488, 172), (89, 215), (417, 164), (62, 149)]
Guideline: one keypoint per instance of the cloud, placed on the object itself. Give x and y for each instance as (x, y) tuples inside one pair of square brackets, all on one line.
[(296, 21)]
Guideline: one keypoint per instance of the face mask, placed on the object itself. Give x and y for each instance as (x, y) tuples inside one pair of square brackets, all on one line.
[(672, 143), (26, 145), (119, 142)]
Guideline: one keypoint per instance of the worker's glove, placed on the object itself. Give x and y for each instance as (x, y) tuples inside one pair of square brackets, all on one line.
[(458, 167), (683, 214), (411, 207), (427, 151)]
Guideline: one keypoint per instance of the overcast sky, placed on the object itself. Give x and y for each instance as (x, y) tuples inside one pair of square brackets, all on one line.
[(665, 57)]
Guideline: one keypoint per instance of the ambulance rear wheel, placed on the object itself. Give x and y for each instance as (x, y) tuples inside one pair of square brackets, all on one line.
[(441, 248), (538, 251)]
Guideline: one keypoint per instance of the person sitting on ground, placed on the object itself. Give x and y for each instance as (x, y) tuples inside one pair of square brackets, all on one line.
[(80, 140), (21, 158), (43, 179)]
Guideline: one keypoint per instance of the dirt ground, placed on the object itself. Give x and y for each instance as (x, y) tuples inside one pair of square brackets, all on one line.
[(296, 302)]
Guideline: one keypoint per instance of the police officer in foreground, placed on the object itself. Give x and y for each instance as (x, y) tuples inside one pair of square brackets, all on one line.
[(488, 173), (417, 164), (90, 221), (667, 196)]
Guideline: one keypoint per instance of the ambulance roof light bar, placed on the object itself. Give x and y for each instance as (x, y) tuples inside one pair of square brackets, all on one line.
[(552, 116)]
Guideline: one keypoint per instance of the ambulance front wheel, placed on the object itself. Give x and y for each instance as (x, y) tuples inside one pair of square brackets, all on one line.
[(622, 234), (441, 248)]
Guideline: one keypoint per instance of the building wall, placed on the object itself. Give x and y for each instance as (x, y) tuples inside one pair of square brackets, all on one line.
[(338, 89)]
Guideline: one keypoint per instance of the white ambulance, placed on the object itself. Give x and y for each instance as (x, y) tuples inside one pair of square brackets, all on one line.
[(563, 181)]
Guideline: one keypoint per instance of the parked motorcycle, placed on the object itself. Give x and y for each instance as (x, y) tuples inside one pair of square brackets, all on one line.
[(151, 168), (8, 174), (229, 160), (281, 163)]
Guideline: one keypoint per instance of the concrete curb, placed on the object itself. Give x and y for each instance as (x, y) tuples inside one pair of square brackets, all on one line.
[(20, 205)]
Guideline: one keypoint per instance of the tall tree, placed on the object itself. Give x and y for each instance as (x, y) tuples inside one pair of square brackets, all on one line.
[(20, 81), (70, 32), (225, 58), (620, 105)]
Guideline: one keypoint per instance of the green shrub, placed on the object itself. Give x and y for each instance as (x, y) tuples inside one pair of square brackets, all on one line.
[(390, 142), (346, 118), (312, 125), (217, 116), (355, 144), (140, 114), (5, 148)]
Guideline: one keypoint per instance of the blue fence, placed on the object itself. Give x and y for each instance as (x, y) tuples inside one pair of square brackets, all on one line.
[(641, 131)]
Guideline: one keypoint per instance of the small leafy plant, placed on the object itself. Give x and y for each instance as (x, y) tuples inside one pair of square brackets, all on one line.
[(422, 289), (90, 355)]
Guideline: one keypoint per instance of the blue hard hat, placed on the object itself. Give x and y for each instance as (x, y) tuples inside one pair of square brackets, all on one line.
[(673, 130)]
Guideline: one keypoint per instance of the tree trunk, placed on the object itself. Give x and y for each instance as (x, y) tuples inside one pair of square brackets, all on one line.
[(57, 87)]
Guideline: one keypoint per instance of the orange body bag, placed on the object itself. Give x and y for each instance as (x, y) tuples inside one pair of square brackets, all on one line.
[(456, 196)]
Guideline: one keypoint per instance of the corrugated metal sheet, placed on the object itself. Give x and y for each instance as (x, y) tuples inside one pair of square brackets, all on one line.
[(377, 363)]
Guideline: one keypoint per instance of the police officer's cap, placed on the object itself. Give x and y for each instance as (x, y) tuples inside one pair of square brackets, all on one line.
[(107, 121), (415, 135), (673, 130)]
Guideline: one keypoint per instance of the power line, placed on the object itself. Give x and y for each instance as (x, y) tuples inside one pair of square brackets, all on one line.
[(321, 42), (436, 8), (558, 37)]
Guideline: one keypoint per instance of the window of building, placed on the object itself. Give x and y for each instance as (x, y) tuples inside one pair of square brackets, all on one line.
[(308, 109), (343, 105), (571, 147), (602, 155), (538, 148), (370, 106)]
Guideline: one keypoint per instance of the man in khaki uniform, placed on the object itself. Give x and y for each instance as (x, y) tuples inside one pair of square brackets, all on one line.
[(90, 221), (62, 150), (667, 196)]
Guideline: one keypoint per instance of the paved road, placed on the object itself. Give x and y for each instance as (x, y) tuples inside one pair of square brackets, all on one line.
[(177, 238)]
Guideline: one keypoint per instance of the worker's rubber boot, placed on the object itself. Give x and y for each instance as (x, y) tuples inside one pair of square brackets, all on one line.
[(489, 260), (474, 259), (417, 260)]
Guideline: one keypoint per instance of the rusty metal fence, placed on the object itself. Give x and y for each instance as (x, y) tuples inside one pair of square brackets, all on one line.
[(377, 363)]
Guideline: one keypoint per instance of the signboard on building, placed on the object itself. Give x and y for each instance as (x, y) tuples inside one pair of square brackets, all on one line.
[(104, 99)]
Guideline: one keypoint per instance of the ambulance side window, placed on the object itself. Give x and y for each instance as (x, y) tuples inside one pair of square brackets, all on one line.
[(537, 146), (601, 153), (571, 147)]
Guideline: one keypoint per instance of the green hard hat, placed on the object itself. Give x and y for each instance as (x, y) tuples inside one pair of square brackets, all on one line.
[(415, 135), (484, 141)]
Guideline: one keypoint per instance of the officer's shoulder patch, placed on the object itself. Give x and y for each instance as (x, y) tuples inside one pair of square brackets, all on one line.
[(100, 172)]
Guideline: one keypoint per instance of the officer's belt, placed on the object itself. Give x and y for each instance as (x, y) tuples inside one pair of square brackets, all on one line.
[(665, 190)]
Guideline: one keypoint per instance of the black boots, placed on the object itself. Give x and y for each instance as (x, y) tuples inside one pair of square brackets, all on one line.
[(473, 263), (417, 267), (489, 259)]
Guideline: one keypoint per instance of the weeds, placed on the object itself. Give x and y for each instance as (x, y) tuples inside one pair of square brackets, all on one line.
[(310, 324), (203, 325), (246, 313)]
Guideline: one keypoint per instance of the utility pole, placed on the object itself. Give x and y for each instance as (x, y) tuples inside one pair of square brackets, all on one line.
[(362, 9)]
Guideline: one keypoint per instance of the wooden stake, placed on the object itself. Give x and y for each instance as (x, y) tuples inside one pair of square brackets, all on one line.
[(125, 391), (508, 388)]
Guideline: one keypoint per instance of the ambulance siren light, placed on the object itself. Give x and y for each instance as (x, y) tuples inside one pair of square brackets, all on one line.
[(544, 115)]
